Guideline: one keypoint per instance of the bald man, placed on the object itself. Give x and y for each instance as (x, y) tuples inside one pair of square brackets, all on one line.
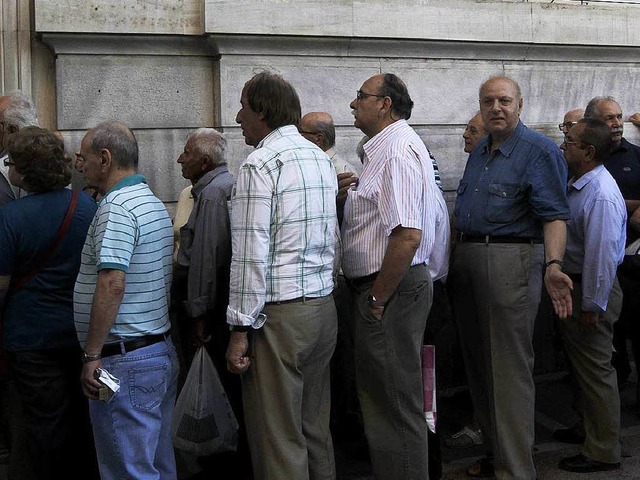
[(570, 119), (318, 128)]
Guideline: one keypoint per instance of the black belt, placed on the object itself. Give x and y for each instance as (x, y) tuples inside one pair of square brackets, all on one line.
[(293, 300), (463, 237), (358, 282), (118, 348)]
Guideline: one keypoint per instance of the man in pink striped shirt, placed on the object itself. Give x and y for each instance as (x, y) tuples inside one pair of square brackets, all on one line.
[(388, 233)]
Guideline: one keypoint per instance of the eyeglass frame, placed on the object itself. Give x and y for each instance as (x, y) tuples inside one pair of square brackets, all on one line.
[(360, 95), (566, 125), (8, 163)]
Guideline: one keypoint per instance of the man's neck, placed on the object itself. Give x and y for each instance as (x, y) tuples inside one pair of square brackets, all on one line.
[(114, 179)]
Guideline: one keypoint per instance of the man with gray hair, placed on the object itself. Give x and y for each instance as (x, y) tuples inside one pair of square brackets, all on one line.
[(318, 128), (201, 274), (121, 309), (624, 165), (16, 111)]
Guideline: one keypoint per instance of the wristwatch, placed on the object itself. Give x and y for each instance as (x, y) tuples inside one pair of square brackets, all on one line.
[(86, 357), (374, 302)]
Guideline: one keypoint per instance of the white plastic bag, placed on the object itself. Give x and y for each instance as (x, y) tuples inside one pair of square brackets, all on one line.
[(203, 421)]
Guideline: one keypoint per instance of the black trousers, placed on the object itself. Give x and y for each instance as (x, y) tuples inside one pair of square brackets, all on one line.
[(59, 440)]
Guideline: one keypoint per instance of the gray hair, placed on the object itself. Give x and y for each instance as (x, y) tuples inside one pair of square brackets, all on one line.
[(119, 140), (210, 142), (329, 132), (20, 111), (592, 107)]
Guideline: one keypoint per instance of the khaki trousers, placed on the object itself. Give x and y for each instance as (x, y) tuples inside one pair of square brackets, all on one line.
[(496, 291), (589, 350), (286, 392)]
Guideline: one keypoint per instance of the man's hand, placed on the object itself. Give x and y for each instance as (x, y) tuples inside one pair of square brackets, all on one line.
[(635, 119), (559, 287), (237, 362), (345, 182), (377, 311), (90, 386), (589, 319)]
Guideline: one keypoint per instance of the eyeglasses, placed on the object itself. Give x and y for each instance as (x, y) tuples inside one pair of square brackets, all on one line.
[(360, 95), (8, 163), (566, 125)]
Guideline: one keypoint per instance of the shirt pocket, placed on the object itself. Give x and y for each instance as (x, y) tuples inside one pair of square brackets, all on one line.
[(505, 203)]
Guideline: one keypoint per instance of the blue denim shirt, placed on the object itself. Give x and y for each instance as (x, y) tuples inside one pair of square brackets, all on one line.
[(512, 190)]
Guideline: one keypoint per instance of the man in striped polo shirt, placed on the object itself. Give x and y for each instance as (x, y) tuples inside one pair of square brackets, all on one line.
[(281, 311), (121, 311), (388, 233)]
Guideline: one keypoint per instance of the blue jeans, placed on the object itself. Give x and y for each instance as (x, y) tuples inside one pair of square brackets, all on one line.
[(133, 430)]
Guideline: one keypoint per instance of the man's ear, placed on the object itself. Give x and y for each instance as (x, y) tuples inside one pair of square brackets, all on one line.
[(105, 159), (207, 162), (590, 154), (12, 129)]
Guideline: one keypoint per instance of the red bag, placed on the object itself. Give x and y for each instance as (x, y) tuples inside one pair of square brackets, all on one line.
[(429, 385)]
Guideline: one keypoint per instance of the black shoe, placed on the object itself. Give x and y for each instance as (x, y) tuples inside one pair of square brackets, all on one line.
[(569, 435), (582, 464)]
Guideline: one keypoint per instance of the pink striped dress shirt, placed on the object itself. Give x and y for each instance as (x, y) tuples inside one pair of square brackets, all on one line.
[(396, 188)]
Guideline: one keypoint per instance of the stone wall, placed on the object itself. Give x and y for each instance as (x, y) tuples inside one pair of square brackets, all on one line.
[(171, 66)]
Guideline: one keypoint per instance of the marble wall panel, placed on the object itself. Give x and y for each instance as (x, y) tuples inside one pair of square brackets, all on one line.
[(142, 91), (323, 83), (178, 17)]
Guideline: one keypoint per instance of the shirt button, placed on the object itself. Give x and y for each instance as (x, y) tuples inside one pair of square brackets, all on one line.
[(476, 190), (504, 194), (486, 168)]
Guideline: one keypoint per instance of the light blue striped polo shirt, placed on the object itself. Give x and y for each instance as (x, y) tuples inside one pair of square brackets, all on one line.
[(132, 232)]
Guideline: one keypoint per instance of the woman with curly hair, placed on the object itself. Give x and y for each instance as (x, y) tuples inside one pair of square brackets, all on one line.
[(41, 239)]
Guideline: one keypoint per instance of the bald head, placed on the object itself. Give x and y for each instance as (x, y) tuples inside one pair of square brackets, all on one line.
[(570, 119), (117, 139), (318, 128)]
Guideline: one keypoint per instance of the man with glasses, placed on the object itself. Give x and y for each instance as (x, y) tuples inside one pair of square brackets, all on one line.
[(510, 213), (388, 233), (595, 247), (16, 111), (624, 165), (318, 128), (570, 119)]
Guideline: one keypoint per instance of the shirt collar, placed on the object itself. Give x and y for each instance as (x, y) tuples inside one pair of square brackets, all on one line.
[(580, 183), (128, 181), (207, 178), (509, 144), (331, 153), (375, 147), (286, 131), (623, 146)]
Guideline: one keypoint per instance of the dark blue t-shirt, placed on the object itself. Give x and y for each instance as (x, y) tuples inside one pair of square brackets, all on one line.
[(40, 314)]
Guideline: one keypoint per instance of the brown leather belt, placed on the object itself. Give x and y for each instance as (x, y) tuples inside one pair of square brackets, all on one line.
[(293, 300), (118, 348)]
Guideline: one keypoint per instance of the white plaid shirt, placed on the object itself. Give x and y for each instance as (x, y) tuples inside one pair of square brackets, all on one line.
[(283, 226)]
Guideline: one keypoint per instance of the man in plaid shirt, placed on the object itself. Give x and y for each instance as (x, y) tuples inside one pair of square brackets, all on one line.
[(281, 312)]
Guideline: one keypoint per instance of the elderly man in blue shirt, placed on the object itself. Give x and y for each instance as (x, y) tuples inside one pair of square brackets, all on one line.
[(595, 247), (511, 199)]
